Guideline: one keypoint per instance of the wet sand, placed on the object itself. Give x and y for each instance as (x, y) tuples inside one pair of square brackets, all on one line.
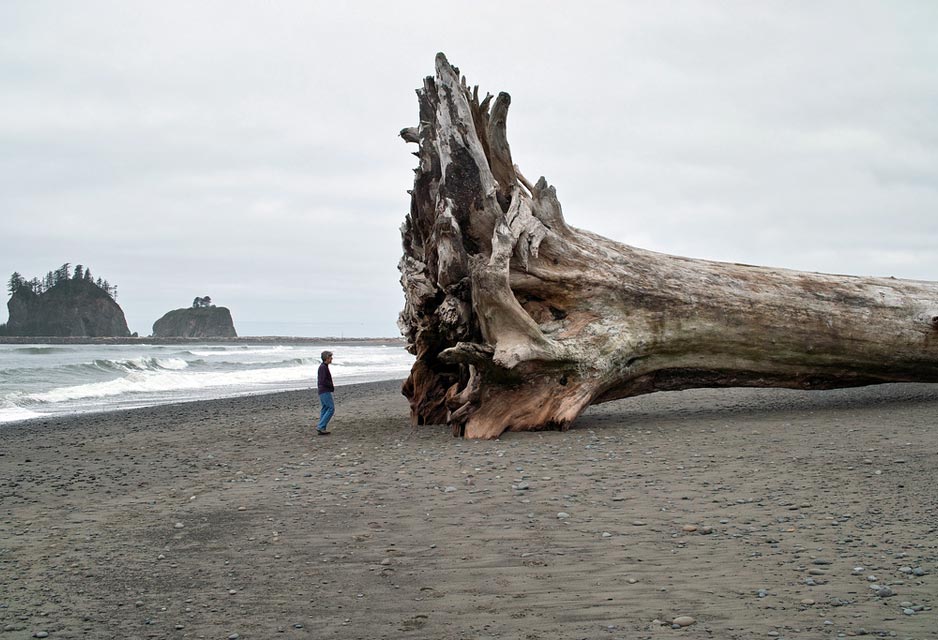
[(757, 513)]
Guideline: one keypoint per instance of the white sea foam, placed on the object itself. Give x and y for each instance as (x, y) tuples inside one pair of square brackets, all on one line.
[(142, 364), (239, 351), (175, 364), (355, 372), (154, 381), (139, 382), (10, 412)]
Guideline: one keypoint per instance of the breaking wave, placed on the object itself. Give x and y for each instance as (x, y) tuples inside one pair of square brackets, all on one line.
[(37, 381)]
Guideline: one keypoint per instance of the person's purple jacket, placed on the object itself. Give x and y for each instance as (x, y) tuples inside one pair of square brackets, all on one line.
[(324, 379)]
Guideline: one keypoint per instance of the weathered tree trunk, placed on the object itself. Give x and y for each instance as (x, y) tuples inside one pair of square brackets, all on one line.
[(519, 321)]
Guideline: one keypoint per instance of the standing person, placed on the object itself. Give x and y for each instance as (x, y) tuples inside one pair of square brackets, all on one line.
[(324, 382)]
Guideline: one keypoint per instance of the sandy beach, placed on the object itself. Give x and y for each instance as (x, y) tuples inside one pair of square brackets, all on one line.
[(755, 513)]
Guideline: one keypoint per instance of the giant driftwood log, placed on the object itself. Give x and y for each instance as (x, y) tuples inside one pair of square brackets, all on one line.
[(519, 321)]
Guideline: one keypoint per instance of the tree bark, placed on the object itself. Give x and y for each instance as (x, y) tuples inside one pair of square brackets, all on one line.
[(519, 321)]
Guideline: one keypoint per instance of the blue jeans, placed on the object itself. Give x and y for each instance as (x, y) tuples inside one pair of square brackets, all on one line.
[(327, 410)]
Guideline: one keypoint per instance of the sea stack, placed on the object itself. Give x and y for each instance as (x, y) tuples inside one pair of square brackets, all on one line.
[(201, 320), (68, 307)]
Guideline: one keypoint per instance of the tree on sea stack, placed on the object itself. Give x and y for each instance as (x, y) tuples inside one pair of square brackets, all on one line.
[(520, 321)]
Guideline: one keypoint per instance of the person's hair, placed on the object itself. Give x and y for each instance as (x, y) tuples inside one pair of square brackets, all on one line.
[(326, 354)]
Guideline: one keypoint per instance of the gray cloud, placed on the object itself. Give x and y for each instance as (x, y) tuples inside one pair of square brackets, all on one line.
[(250, 152)]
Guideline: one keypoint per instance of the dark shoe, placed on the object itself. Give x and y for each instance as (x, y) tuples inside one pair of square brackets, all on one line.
[(324, 432)]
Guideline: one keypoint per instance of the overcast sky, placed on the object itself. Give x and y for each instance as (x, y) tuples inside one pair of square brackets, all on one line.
[(249, 151)]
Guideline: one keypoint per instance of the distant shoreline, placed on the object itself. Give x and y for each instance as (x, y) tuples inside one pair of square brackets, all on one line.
[(151, 340)]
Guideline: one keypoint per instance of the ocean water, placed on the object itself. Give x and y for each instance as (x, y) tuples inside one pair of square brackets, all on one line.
[(53, 380)]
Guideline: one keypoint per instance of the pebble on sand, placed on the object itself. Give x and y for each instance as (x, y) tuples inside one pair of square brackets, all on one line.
[(882, 591), (683, 621)]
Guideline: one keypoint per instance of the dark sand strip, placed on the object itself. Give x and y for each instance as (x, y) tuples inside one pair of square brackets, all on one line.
[(748, 510)]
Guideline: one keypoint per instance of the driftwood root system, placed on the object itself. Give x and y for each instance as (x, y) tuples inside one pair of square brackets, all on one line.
[(519, 321)]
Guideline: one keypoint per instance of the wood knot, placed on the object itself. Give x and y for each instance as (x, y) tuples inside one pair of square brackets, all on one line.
[(934, 322)]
